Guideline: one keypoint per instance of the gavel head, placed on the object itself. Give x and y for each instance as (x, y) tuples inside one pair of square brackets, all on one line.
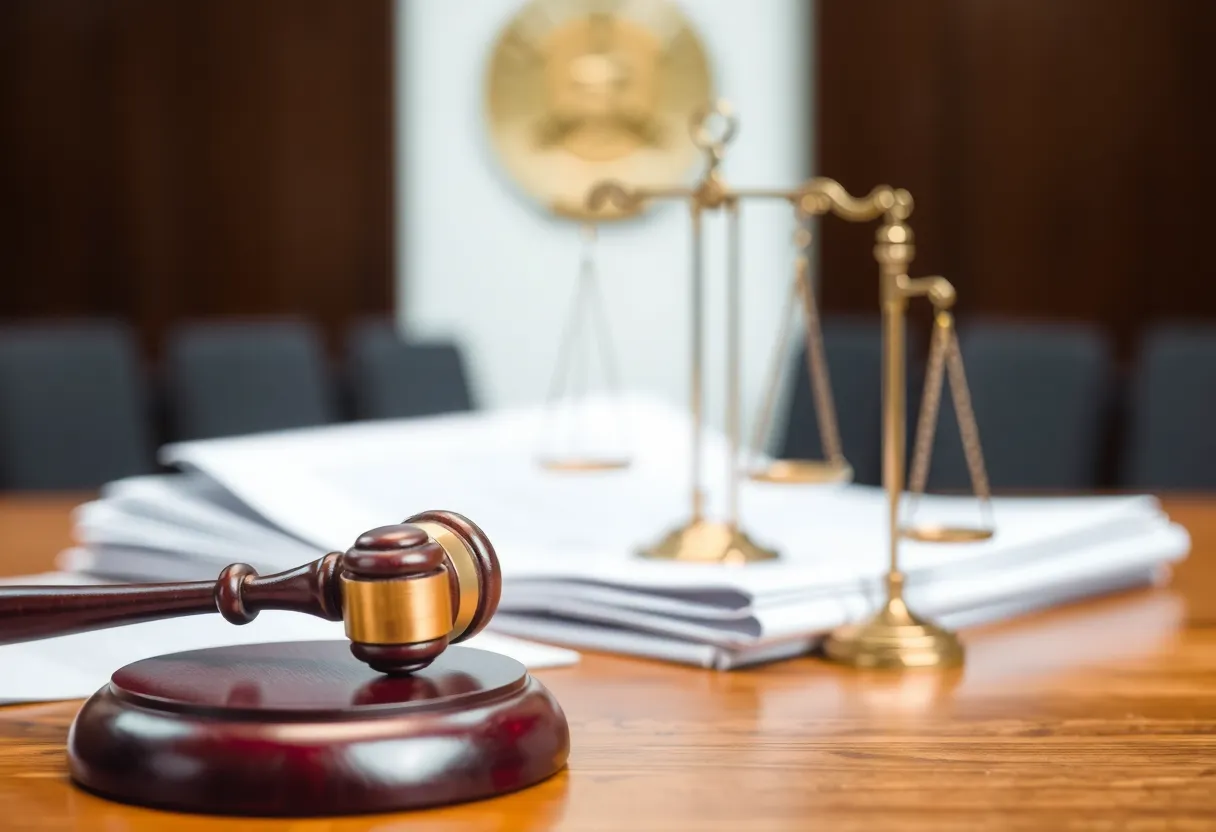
[(408, 591)]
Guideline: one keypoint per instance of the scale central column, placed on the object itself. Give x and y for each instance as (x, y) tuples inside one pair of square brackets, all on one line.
[(697, 353), (701, 539), (894, 307)]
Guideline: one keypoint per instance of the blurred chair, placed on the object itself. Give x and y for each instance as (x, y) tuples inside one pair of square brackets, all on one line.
[(391, 379), (854, 356), (1041, 395), (1171, 438), (229, 378), (73, 406)]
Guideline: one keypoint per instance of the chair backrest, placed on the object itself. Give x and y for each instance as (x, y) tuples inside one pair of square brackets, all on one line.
[(390, 378), (853, 348), (230, 378), (73, 406), (1170, 442), (1041, 395)]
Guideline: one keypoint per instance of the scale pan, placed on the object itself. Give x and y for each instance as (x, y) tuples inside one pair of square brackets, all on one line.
[(946, 534), (802, 472), (579, 465)]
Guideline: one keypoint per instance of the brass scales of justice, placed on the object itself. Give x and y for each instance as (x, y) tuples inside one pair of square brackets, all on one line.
[(895, 636)]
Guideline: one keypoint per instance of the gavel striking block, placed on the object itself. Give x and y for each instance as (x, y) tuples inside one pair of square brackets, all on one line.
[(398, 719)]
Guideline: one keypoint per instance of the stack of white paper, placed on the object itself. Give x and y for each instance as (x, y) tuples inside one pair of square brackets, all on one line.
[(567, 542)]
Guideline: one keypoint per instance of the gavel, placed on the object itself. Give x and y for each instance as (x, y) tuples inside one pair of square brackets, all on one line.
[(405, 592)]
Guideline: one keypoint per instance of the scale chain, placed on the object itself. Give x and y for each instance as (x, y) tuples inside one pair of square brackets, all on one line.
[(966, 420), (926, 423), (598, 304), (825, 406), (570, 357), (570, 331), (946, 355), (770, 398)]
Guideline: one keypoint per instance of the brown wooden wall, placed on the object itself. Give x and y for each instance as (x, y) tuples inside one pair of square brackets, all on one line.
[(1062, 153), (169, 159)]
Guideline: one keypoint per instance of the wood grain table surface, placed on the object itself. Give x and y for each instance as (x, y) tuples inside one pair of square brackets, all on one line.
[(1100, 715)]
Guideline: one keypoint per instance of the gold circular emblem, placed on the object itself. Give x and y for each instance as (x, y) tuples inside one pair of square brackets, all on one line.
[(579, 91)]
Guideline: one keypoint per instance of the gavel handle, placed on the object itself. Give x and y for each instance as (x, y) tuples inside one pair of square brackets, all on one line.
[(28, 613)]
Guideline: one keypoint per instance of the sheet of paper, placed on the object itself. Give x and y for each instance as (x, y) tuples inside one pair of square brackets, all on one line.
[(590, 635), (75, 666), (1080, 571), (329, 484), (326, 485), (568, 544)]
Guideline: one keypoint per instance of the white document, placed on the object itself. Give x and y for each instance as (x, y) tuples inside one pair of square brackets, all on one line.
[(568, 543)]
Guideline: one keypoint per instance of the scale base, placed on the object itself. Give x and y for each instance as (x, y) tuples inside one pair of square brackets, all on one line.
[(304, 729), (703, 541), (895, 638)]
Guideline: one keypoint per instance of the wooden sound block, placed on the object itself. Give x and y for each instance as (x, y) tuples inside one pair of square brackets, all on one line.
[(303, 728)]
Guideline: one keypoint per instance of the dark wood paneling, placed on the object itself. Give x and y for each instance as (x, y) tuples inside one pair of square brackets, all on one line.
[(167, 160), (1060, 153)]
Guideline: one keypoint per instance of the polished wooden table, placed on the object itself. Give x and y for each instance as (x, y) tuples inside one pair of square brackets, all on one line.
[(1101, 715)]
